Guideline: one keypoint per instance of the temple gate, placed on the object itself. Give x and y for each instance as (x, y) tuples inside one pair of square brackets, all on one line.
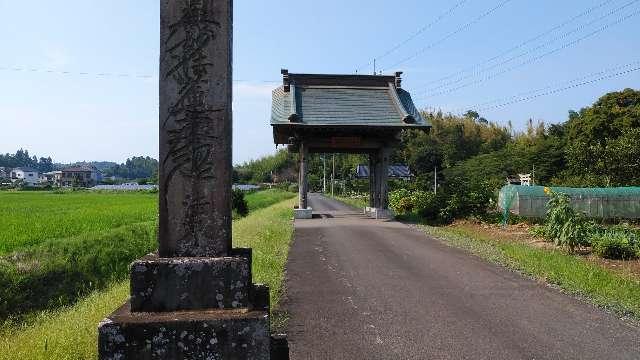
[(316, 113)]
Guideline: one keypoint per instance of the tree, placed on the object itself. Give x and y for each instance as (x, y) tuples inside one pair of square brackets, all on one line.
[(135, 168), (600, 138), (45, 164)]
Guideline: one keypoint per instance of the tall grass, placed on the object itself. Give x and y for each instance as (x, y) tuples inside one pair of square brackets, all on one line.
[(59, 271), (31, 218), (71, 332)]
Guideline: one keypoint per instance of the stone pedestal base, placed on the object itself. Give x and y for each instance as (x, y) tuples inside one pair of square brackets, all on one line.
[(303, 213), (202, 334), (378, 213), (192, 308), (171, 284)]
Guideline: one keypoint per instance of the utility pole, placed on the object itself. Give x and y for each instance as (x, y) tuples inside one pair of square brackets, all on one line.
[(533, 176), (435, 180), (333, 171), (324, 174)]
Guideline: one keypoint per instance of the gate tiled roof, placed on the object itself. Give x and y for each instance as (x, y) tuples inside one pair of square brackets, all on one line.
[(344, 100)]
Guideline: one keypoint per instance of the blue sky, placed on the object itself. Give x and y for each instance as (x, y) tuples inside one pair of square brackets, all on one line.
[(84, 114)]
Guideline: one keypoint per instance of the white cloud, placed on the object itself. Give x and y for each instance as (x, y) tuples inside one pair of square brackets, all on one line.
[(56, 57)]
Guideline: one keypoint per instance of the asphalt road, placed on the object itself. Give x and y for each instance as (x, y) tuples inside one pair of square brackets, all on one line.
[(369, 289)]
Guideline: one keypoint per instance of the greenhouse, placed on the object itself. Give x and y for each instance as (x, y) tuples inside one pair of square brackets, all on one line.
[(605, 203)]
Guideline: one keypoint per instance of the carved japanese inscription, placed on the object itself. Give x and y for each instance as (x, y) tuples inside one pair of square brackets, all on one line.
[(195, 131)]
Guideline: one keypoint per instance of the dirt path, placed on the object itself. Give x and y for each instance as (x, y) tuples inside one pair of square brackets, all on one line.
[(369, 289)]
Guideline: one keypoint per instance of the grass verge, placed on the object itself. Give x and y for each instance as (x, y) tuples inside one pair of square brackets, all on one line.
[(358, 202), (261, 199), (602, 287), (65, 334), (71, 332)]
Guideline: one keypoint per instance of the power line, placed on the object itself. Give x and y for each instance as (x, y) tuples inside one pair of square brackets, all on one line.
[(522, 94), (62, 72), (451, 34), (541, 46), (539, 36), (415, 34), (27, 69), (534, 59), (555, 91)]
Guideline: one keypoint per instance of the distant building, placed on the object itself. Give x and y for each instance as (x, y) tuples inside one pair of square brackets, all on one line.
[(53, 177), (29, 176), (4, 172), (396, 171), (512, 180), (81, 176), (244, 187), (125, 187)]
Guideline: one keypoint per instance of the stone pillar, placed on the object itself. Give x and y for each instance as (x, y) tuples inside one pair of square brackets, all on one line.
[(195, 128), (303, 182), (194, 299)]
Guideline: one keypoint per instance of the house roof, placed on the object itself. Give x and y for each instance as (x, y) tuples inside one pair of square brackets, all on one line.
[(25, 169), (78, 169), (317, 100), (395, 171)]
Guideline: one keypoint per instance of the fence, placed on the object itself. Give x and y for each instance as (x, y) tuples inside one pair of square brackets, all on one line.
[(605, 203)]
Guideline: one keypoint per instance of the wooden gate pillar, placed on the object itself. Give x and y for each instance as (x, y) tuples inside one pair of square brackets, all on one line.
[(303, 183), (380, 175), (372, 180), (384, 178)]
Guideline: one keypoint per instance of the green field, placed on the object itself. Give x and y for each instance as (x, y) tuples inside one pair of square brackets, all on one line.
[(31, 218), (64, 246), (71, 332)]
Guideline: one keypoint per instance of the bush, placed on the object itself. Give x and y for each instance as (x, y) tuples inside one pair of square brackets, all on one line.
[(400, 201), (423, 203), (462, 197), (537, 231), (616, 244), (563, 225), (239, 203)]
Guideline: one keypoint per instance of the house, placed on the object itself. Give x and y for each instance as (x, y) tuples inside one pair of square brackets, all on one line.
[(53, 177), (396, 171), (81, 176), (29, 176), (4, 172)]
